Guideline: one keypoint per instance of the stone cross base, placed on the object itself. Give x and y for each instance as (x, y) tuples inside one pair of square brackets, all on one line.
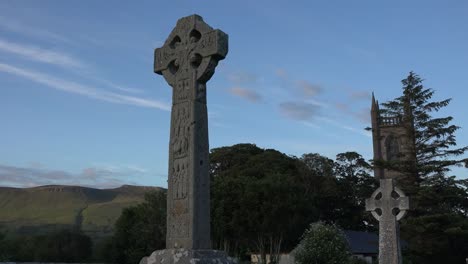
[(183, 256)]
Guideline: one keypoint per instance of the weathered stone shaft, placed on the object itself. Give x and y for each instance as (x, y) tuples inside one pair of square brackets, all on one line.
[(187, 61), (188, 199), (389, 242)]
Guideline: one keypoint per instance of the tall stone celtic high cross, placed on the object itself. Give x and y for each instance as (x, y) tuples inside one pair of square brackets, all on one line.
[(388, 204), (187, 61)]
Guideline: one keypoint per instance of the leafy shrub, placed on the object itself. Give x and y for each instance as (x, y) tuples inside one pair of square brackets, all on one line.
[(323, 244)]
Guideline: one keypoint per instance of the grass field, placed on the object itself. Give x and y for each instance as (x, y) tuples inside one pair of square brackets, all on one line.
[(41, 209)]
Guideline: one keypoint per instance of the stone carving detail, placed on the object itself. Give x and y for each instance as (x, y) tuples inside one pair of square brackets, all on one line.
[(192, 50), (179, 210), (182, 91), (180, 130), (179, 226), (179, 179)]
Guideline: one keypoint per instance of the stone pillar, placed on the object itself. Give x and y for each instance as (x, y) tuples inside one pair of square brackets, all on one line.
[(187, 60)]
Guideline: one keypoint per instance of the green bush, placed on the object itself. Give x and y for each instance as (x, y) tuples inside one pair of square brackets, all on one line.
[(323, 244)]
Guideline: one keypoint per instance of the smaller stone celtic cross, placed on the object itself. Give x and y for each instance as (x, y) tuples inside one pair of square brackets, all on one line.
[(388, 204)]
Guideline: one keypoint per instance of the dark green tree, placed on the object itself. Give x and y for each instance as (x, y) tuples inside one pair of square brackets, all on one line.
[(339, 187), (321, 184), (63, 246), (258, 201), (24, 248), (5, 248), (59, 246), (355, 185), (318, 164), (139, 231)]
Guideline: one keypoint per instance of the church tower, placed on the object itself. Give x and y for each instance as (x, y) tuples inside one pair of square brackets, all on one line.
[(393, 141)]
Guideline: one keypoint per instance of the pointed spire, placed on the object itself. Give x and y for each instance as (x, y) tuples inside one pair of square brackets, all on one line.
[(374, 105)]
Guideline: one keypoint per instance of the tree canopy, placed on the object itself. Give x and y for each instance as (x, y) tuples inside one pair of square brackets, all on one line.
[(255, 192), (139, 231), (263, 200)]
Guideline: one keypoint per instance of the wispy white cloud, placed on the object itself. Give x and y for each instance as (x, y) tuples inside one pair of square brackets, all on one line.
[(41, 55), (247, 94), (96, 171), (242, 77), (76, 88), (317, 102), (301, 111), (309, 89), (280, 72), (360, 95), (310, 124), (309, 106), (61, 59), (346, 127), (342, 106), (363, 115), (16, 26), (303, 88), (116, 86), (100, 177)]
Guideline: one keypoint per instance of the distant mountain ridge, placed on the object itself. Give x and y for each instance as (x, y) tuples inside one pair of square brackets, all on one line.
[(41, 209)]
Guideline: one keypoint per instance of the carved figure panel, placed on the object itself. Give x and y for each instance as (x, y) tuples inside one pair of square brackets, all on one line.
[(180, 130), (180, 178), (182, 90)]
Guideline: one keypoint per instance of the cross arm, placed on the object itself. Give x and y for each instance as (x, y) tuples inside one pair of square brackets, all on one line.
[(372, 204), (403, 203), (162, 58), (213, 43)]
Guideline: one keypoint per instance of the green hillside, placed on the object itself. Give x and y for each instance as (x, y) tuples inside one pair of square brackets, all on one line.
[(41, 209)]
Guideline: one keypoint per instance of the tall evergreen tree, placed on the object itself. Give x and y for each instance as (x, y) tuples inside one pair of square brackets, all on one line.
[(437, 227), (434, 137)]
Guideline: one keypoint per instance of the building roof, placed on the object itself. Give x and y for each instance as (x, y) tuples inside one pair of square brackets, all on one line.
[(362, 242)]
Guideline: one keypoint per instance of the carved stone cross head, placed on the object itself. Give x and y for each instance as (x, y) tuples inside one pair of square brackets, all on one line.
[(388, 202), (191, 51)]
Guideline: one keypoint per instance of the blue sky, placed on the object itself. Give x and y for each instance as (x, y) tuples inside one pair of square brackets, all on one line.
[(80, 104)]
